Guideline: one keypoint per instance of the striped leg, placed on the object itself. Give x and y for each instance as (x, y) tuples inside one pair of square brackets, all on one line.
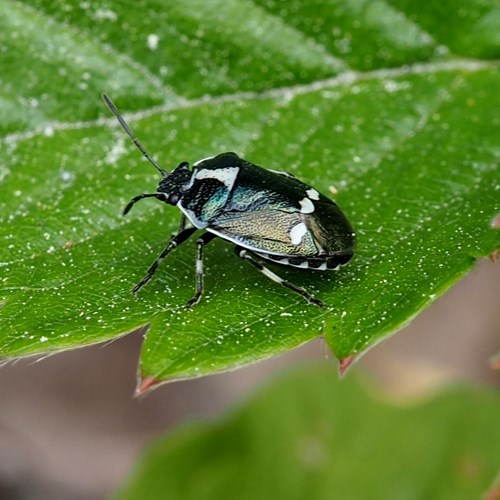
[(200, 243), (174, 242), (245, 254)]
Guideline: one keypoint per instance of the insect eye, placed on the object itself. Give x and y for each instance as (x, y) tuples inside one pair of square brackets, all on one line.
[(183, 165), (173, 199)]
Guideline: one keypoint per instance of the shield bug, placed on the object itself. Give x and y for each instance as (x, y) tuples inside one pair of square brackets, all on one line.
[(266, 214)]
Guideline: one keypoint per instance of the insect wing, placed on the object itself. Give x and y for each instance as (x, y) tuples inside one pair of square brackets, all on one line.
[(331, 231), (277, 213), (266, 229), (264, 210)]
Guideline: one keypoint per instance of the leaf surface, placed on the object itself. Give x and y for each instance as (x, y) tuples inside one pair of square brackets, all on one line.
[(404, 132)]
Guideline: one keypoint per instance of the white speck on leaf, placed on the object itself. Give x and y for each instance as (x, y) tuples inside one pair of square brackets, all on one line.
[(105, 15), (66, 175), (153, 41)]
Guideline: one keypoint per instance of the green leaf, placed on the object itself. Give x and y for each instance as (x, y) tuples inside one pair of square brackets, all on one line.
[(311, 436), (409, 141)]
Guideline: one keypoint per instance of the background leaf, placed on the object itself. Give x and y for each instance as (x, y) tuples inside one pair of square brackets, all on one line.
[(308, 436), (374, 99)]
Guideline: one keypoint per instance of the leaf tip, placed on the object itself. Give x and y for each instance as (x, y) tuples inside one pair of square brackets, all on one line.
[(493, 494), (144, 385), (345, 363)]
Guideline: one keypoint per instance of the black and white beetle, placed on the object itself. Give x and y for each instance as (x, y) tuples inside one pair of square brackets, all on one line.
[(264, 213)]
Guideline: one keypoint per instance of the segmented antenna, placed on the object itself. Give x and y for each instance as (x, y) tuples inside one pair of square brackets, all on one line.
[(128, 130)]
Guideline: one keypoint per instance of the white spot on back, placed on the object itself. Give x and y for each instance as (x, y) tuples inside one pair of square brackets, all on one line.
[(225, 175), (306, 206), (297, 233), (313, 194)]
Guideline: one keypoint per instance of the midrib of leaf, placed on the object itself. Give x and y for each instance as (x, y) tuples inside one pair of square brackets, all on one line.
[(287, 94), (342, 79)]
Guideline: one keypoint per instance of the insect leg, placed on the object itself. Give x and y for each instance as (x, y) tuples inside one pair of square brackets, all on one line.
[(246, 255), (174, 242), (200, 243), (182, 224)]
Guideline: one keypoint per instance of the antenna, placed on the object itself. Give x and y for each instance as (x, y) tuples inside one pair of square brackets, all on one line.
[(128, 130)]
